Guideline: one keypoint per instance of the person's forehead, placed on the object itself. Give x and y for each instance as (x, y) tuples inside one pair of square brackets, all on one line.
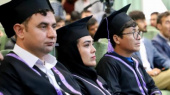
[(165, 18), (49, 15)]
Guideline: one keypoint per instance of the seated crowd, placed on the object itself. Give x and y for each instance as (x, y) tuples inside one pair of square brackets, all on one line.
[(90, 54)]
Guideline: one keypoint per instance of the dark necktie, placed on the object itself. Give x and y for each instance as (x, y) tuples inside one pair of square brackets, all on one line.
[(42, 73), (59, 92)]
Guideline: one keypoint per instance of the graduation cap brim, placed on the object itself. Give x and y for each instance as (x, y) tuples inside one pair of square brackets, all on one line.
[(73, 31), (17, 11), (103, 29)]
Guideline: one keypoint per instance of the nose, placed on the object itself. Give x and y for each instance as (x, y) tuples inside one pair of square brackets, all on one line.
[(138, 37), (93, 49), (52, 32)]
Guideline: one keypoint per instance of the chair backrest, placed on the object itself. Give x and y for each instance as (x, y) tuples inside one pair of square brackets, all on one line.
[(101, 48), (3, 39), (4, 52)]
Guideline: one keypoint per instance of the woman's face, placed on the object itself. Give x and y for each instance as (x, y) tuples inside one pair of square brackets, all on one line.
[(87, 50)]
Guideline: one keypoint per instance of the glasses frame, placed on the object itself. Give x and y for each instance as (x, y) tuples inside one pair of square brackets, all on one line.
[(138, 33)]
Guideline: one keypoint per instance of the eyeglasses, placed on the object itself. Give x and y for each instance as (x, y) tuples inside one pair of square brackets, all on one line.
[(135, 34)]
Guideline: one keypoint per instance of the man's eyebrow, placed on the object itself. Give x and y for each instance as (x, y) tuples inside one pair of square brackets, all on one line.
[(43, 23), (87, 41)]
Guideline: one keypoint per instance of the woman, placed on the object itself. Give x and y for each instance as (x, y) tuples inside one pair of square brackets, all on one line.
[(77, 53)]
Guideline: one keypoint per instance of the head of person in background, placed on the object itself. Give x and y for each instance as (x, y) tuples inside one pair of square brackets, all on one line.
[(74, 16), (85, 13), (60, 22), (92, 26), (163, 24), (153, 19), (77, 53), (139, 18)]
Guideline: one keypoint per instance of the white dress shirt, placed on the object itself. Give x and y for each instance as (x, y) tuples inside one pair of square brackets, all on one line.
[(143, 55), (31, 60)]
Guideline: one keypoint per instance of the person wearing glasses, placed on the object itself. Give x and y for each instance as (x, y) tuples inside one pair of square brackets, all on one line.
[(122, 70), (155, 64)]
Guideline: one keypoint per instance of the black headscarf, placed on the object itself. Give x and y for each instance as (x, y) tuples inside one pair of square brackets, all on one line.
[(68, 53)]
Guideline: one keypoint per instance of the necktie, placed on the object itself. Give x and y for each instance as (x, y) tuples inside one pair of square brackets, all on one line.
[(59, 92), (42, 73)]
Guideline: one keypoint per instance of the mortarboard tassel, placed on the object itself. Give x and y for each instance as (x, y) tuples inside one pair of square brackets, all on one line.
[(109, 47)]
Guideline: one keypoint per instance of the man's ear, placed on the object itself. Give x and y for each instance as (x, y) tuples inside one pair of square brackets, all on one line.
[(116, 39), (159, 26), (19, 30)]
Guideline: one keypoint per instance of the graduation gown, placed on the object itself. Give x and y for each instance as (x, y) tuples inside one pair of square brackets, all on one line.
[(91, 87), (126, 78), (17, 78)]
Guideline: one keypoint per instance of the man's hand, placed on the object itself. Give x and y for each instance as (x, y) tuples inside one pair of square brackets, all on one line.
[(154, 72)]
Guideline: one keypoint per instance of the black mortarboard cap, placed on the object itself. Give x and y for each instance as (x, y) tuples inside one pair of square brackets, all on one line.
[(73, 31), (112, 24), (17, 11)]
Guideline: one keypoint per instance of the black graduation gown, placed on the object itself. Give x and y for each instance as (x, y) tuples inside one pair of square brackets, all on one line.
[(120, 77), (17, 78), (91, 87)]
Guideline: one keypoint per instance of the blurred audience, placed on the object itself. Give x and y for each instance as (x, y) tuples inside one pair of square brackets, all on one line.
[(95, 8), (74, 16), (60, 22), (162, 40), (85, 13), (68, 5), (153, 19), (92, 26), (58, 8), (154, 63)]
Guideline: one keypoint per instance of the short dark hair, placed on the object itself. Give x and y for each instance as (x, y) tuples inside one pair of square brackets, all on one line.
[(136, 15), (59, 19), (154, 13), (130, 23), (42, 12), (160, 16), (91, 22), (75, 15)]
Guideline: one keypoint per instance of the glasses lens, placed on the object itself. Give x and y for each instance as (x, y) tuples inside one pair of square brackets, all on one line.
[(137, 34)]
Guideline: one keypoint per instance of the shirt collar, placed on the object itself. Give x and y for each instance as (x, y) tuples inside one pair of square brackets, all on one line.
[(26, 56), (164, 37)]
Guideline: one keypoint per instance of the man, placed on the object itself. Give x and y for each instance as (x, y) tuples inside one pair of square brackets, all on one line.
[(153, 62), (29, 69), (153, 19), (60, 22), (151, 29), (123, 73), (92, 26), (162, 40)]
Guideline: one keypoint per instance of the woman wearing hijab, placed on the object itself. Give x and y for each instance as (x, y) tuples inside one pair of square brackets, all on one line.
[(77, 53)]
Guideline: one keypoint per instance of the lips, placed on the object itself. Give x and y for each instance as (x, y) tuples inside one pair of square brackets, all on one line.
[(138, 44), (94, 57), (50, 43)]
